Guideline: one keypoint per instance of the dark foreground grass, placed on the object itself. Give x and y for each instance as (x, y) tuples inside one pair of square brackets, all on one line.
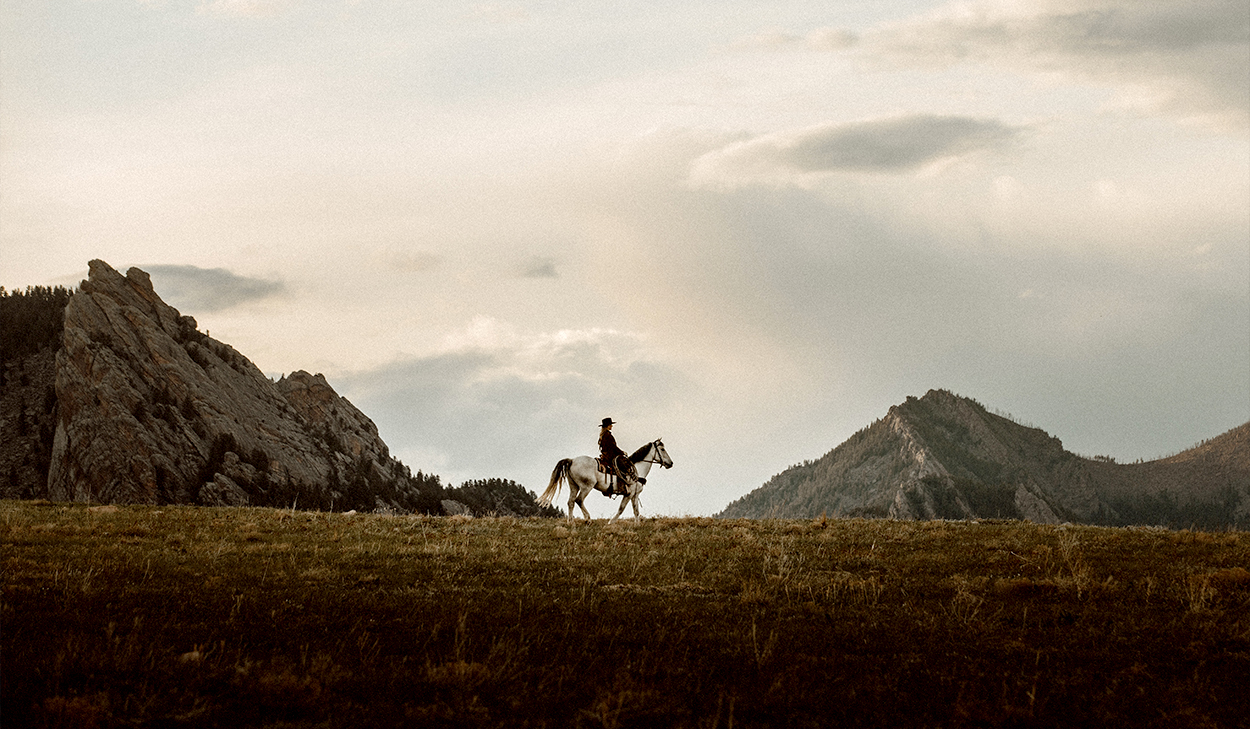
[(193, 617)]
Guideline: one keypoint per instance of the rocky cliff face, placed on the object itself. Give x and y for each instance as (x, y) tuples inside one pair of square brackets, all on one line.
[(946, 457), (151, 410)]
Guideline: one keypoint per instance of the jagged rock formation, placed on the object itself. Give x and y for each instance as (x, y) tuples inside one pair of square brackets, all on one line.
[(946, 457), (151, 410)]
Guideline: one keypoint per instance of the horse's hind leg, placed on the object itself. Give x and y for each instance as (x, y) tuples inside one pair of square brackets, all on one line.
[(577, 496)]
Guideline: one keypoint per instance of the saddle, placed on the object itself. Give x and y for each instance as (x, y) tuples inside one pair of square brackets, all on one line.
[(615, 476)]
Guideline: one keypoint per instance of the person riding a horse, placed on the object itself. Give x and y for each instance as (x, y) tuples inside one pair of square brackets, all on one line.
[(614, 459)]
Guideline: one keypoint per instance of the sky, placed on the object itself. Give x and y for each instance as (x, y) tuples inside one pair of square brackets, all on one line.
[(747, 228)]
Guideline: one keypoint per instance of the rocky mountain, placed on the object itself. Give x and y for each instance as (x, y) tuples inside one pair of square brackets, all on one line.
[(946, 457), (131, 403)]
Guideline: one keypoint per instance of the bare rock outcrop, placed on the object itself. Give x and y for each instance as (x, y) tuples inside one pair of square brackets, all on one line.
[(151, 410)]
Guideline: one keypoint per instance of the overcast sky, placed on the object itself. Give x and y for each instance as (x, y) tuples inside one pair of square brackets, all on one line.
[(746, 227)]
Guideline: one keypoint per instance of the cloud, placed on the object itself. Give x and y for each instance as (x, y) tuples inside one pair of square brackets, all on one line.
[(832, 39), (1084, 28), (413, 261), (1180, 57), (892, 145), (539, 267), (500, 402), (195, 289)]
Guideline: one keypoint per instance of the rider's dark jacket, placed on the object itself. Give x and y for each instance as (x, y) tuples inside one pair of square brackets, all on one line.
[(608, 449)]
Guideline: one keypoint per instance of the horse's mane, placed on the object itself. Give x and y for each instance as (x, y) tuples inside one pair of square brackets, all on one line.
[(638, 454)]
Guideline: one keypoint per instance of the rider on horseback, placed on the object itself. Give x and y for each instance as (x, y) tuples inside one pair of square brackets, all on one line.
[(614, 459)]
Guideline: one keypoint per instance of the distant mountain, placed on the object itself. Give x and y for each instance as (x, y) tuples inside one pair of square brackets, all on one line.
[(115, 397), (946, 457)]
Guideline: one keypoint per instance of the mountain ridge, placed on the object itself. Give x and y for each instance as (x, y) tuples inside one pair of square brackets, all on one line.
[(943, 456)]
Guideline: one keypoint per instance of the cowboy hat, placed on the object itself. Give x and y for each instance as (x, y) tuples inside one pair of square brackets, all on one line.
[(606, 422)]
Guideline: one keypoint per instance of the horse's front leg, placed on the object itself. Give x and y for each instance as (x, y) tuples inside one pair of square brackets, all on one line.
[(621, 510), (634, 499)]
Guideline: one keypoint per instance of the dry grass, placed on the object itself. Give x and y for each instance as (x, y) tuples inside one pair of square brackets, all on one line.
[(191, 617)]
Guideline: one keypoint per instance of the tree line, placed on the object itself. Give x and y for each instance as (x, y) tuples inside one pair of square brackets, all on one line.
[(31, 320)]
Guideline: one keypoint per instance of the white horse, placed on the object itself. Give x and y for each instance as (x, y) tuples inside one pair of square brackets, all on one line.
[(583, 475)]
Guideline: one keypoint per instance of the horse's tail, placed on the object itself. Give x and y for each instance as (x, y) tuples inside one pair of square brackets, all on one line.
[(558, 476)]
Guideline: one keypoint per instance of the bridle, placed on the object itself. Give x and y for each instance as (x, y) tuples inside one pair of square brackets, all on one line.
[(654, 454)]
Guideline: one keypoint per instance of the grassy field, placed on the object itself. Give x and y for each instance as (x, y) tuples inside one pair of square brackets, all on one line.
[(197, 617)]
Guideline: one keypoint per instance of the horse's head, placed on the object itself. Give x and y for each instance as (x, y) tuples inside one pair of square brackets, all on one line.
[(661, 454), (652, 452)]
